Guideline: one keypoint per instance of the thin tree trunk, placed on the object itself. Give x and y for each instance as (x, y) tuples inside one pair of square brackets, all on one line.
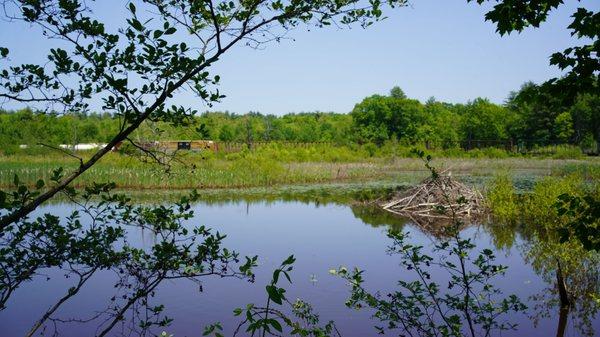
[(563, 294), (562, 322)]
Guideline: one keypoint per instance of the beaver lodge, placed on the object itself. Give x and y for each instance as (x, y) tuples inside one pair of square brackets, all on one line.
[(438, 199)]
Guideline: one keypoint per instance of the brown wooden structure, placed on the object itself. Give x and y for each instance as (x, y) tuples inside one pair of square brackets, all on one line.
[(181, 145)]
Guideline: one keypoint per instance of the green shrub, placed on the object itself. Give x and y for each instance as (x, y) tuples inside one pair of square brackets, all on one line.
[(371, 149), (502, 199), (539, 206), (9, 149), (453, 152), (492, 152), (568, 152)]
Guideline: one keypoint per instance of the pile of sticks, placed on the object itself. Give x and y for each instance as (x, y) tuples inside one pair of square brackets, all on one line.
[(437, 197)]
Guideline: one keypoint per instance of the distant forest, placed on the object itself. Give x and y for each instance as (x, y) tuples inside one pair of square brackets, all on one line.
[(530, 116)]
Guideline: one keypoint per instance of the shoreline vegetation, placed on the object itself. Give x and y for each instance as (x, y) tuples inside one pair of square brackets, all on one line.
[(280, 166)]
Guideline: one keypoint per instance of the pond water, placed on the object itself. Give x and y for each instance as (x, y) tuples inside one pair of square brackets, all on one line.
[(322, 236)]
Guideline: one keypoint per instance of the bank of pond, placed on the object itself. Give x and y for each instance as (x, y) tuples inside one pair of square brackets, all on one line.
[(403, 272)]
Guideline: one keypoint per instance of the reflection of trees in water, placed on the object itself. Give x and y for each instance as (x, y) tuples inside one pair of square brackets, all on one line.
[(376, 217), (324, 194), (578, 272), (503, 234), (579, 269), (541, 250), (93, 240)]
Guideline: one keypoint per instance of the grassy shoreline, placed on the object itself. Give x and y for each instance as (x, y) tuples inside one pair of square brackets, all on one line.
[(251, 170)]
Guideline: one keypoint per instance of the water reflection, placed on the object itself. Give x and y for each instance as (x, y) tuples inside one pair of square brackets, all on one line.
[(326, 230), (572, 278), (570, 275), (377, 217)]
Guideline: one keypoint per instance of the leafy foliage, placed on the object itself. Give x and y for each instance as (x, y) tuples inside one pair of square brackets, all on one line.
[(559, 219), (93, 238), (582, 62), (468, 305), (271, 321), (583, 222), (136, 69), (530, 117)]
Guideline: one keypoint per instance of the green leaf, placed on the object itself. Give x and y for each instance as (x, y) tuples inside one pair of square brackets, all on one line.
[(287, 276), (137, 25), (290, 260), (275, 325), (274, 294), (39, 184)]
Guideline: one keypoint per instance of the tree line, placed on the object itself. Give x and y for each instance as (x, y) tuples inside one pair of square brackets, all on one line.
[(530, 116)]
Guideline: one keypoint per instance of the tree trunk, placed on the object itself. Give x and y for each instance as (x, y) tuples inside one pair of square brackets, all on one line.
[(562, 322), (565, 301), (597, 141)]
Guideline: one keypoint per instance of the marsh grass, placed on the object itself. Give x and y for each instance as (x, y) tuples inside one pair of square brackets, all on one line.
[(273, 165), (195, 172)]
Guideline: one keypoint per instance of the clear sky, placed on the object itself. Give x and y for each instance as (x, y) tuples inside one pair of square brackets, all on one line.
[(440, 48)]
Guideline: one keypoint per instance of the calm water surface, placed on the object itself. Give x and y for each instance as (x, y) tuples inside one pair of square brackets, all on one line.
[(321, 236)]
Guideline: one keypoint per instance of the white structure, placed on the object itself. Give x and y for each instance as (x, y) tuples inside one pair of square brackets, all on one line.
[(82, 147)]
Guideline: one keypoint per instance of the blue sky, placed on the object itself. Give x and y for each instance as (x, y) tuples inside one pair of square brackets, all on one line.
[(433, 48)]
